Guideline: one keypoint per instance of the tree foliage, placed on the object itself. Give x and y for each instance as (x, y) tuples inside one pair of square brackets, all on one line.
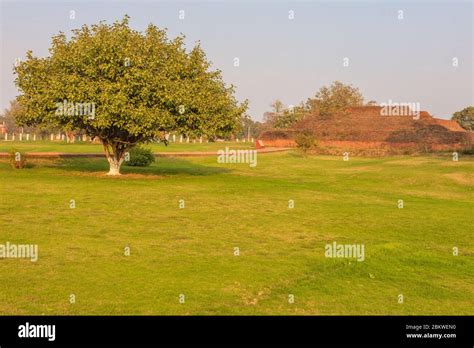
[(141, 86), (290, 116), (326, 102), (465, 118), (277, 106), (305, 141), (11, 114), (336, 97), (248, 128)]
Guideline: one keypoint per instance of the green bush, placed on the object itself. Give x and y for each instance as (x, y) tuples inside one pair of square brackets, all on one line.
[(140, 157), (305, 141), (17, 159)]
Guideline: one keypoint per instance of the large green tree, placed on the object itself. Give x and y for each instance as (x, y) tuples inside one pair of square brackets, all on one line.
[(465, 118), (126, 87)]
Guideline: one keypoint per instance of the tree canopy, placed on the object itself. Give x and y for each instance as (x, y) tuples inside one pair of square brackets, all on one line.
[(465, 118), (11, 114), (336, 97), (126, 87), (327, 101)]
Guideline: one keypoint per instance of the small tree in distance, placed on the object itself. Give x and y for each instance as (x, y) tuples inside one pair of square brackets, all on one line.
[(277, 106), (141, 86), (305, 141), (465, 118), (336, 97), (14, 113), (11, 114)]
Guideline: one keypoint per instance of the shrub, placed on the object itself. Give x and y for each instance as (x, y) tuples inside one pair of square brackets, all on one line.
[(140, 157), (276, 134), (305, 141), (17, 159)]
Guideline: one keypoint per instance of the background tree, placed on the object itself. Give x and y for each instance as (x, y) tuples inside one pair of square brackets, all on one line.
[(259, 128), (277, 106), (290, 116), (141, 85), (10, 114), (465, 118), (332, 99), (16, 112), (248, 128), (270, 117)]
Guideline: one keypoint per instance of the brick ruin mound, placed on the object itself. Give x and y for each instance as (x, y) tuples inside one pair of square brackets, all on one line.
[(364, 130)]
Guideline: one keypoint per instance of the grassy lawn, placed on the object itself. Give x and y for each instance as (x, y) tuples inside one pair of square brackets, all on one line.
[(190, 251), (86, 147)]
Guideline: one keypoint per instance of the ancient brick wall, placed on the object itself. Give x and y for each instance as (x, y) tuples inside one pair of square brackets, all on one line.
[(366, 127)]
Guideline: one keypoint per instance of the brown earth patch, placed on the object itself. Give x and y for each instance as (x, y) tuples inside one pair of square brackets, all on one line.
[(461, 178), (124, 176)]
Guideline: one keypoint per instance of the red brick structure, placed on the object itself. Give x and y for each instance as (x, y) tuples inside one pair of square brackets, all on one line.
[(3, 127), (364, 127)]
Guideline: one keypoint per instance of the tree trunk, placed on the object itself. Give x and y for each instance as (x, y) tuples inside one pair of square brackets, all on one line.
[(115, 153), (114, 166)]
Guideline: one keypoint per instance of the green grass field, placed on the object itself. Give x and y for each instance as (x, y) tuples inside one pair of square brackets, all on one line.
[(190, 251), (86, 147)]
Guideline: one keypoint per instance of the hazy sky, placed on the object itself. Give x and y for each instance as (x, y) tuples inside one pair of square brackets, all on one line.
[(403, 60)]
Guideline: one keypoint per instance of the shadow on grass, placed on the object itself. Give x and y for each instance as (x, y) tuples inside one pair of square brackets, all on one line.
[(162, 166), (298, 154)]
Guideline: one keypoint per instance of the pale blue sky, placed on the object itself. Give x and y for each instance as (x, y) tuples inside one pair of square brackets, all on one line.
[(407, 60)]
